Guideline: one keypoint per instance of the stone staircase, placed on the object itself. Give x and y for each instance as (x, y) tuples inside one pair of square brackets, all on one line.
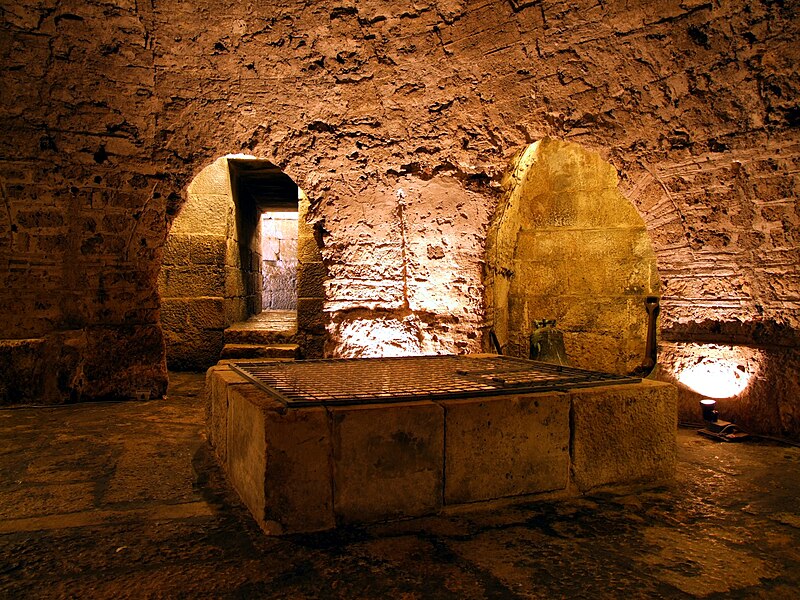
[(266, 335)]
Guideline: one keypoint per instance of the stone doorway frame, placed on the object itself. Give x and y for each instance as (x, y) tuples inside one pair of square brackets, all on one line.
[(211, 269)]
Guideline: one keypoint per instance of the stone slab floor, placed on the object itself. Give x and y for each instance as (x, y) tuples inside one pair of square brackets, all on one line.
[(124, 501)]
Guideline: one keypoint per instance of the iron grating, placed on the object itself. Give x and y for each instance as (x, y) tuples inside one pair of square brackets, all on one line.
[(404, 379)]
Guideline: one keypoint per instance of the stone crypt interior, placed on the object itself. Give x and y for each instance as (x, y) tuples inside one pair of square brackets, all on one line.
[(275, 275)]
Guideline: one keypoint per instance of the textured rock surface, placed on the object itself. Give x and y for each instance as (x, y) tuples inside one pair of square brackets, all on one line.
[(397, 120), (621, 434)]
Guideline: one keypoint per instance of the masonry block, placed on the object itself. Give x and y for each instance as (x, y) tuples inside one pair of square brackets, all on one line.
[(206, 313), (387, 460), (219, 380), (208, 249), (623, 434), (310, 317), (177, 250), (505, 446), (279, 461), (311, 280)]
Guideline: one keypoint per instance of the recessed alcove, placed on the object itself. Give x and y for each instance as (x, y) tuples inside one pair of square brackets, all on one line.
[(233, 282), (566, 245)]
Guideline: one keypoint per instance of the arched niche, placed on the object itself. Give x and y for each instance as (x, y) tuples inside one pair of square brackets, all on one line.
[(211, 275), (566, 245)]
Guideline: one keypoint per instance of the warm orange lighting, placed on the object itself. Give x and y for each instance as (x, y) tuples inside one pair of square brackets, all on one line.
[(716, 377), (382, 337)]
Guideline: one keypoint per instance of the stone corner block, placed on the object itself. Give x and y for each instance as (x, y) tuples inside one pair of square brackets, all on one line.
[(387, 460), (279, 462), (504, 446), (219, 380), (624, 434)]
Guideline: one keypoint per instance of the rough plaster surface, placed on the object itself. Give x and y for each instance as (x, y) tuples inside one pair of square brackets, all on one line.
[(109, 111)]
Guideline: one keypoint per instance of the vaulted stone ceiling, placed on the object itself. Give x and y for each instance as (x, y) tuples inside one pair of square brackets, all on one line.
[(399, 121)]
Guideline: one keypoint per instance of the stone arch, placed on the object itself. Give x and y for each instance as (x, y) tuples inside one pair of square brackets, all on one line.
[(566, 245), (210, 277)]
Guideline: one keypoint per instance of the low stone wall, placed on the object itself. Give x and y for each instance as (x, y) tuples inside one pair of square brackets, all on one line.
[(311, 469)]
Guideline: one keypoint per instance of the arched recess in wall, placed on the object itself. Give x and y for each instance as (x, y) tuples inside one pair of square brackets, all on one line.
[(566, 245), (240, 244)]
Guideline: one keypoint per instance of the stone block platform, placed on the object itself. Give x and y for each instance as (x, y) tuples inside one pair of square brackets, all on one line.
[(311, 466)]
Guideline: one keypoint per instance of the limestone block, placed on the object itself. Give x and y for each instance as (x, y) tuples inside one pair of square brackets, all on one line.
[(208, 249), (214, 180), (233, 257), (623, 434), (219, 380), (193, 349), (505, 446), (235, 310), (206, 313), (189, 282), (247, 449), (596, 351), (311, 280), (174, 314), (307, 249), (387, 460), (177, 249), (279, 461), (541, 278), (299, 487), (309, 314), (234, 282), (203, 214)]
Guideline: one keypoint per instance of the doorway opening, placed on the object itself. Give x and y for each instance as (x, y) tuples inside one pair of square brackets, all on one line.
[(242, 275)]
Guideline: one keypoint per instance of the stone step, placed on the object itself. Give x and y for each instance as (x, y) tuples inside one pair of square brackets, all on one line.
[(262, 337), (260, 351)]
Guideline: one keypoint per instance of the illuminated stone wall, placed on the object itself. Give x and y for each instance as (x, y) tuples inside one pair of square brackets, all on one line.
[(399, 121), (566, 246), (209, 274), (279, 261)]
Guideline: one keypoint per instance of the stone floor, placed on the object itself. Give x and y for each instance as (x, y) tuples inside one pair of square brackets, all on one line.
[(124, 501), (284, 321)]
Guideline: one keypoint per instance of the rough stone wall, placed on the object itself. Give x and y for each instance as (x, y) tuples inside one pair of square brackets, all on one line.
[(84, 203), (108, 111)]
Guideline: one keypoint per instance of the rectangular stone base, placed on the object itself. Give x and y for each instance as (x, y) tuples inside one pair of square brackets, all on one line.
[(312, 468)]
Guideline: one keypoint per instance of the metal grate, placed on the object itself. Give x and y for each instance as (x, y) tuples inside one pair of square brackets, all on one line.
[(382, 380)]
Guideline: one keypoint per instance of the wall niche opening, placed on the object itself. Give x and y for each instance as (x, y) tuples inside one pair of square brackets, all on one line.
[(565, 245), (242, 276)]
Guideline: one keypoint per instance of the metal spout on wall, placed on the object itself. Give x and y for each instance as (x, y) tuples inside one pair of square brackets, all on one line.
[(651, 305)]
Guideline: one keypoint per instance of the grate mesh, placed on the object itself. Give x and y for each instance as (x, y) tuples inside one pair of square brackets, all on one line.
[(381, 380)]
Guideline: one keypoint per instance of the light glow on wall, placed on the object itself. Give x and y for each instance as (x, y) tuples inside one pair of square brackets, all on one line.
[(381, 337), (716, 371), (716, 378)]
